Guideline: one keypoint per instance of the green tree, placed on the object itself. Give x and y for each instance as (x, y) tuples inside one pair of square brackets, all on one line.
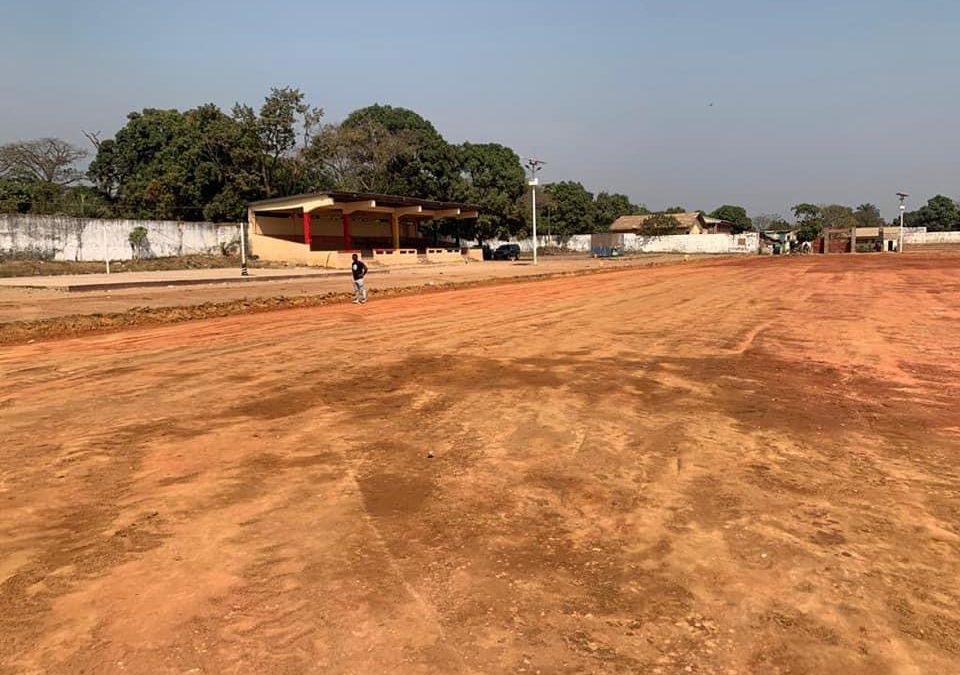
[(736, 215), (810, 221), (492, 178), (675, 209), (155, 166), (868, 215), (427, 167), (38, 176), (838, 216), (271, 135), (203, 164), (84, 201), (359, 157), (572, 210), (938, 215), (138, 241), (16, 195), (610, 206)]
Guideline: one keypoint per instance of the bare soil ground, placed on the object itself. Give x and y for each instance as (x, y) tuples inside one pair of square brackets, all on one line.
[(739, 466), (41, 313), (28, 267)]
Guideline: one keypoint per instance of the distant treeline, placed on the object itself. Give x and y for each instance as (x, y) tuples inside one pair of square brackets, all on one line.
[(207, 164)]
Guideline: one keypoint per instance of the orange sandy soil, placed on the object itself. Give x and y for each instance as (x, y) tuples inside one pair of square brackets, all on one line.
[(733, 466), (29, 314), (17, 304)]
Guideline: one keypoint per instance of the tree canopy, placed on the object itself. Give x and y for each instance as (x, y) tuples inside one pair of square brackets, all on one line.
[(734, 214), (572, 209), (838, 216), (939, 214), (868, 215), (207, 164), (422, 163), (810, 221), (492, 178), (610, 206)]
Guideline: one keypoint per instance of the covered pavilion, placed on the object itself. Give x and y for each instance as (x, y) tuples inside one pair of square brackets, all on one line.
[(325, 228)]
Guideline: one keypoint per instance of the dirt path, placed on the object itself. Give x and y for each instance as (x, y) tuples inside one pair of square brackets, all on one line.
[(27, 304), (744, 466)]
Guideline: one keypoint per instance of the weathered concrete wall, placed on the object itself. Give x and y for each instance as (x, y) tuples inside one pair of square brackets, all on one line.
[(63, 238), (444, 255), (295, 253), (398, 257), (919, 236), (748, 242)]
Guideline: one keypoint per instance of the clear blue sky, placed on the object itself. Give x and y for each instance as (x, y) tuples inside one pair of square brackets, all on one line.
[(826, 101)]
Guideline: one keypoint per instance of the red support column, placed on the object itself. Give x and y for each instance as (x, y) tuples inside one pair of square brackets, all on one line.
[(347, 242), (307, 235)]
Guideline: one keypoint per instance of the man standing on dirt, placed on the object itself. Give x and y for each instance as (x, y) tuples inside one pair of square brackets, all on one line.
[(359, 270)]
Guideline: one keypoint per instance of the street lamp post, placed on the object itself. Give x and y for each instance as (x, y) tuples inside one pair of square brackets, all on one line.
[(902, 196), (534, 166)]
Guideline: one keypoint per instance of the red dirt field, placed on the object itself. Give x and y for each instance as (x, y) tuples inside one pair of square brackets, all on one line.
[(736, 466)]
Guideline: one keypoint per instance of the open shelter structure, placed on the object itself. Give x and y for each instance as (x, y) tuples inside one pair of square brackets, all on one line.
[(326, 228)]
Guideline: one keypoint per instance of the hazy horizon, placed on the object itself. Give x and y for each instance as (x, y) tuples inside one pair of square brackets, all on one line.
[(673, 103)]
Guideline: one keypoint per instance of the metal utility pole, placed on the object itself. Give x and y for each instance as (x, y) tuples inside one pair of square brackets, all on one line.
[(902, 196), (534, 166)]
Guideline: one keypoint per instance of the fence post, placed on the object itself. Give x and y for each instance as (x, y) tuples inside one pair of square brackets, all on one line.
[(243, 251)]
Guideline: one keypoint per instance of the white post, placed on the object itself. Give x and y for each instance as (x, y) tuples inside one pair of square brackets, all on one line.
[(900, 245), (533, 195), (243, 250), (108, 265), (534, 165)]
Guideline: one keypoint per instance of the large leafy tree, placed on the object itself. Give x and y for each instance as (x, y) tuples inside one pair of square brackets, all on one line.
[(422, 164), (39, 176), (270, 138), (160, 164), (203, 164), (492, 178), (572, 210), (734, 214), (810, 221), (357, 158), (939, 214), (610, 206), (868, 215), (838, 216)]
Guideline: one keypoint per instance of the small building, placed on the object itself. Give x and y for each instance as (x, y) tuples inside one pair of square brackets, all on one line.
[(858, 240), (877, 238), (778, 241), (325, 228), (717, 225), (693, 222)]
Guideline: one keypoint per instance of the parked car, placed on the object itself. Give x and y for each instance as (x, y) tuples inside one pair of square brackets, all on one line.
[(507, 252)]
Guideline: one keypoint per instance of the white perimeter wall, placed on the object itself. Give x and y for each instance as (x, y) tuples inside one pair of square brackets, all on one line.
[(63, 238), (748, 242), (919, 236)]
